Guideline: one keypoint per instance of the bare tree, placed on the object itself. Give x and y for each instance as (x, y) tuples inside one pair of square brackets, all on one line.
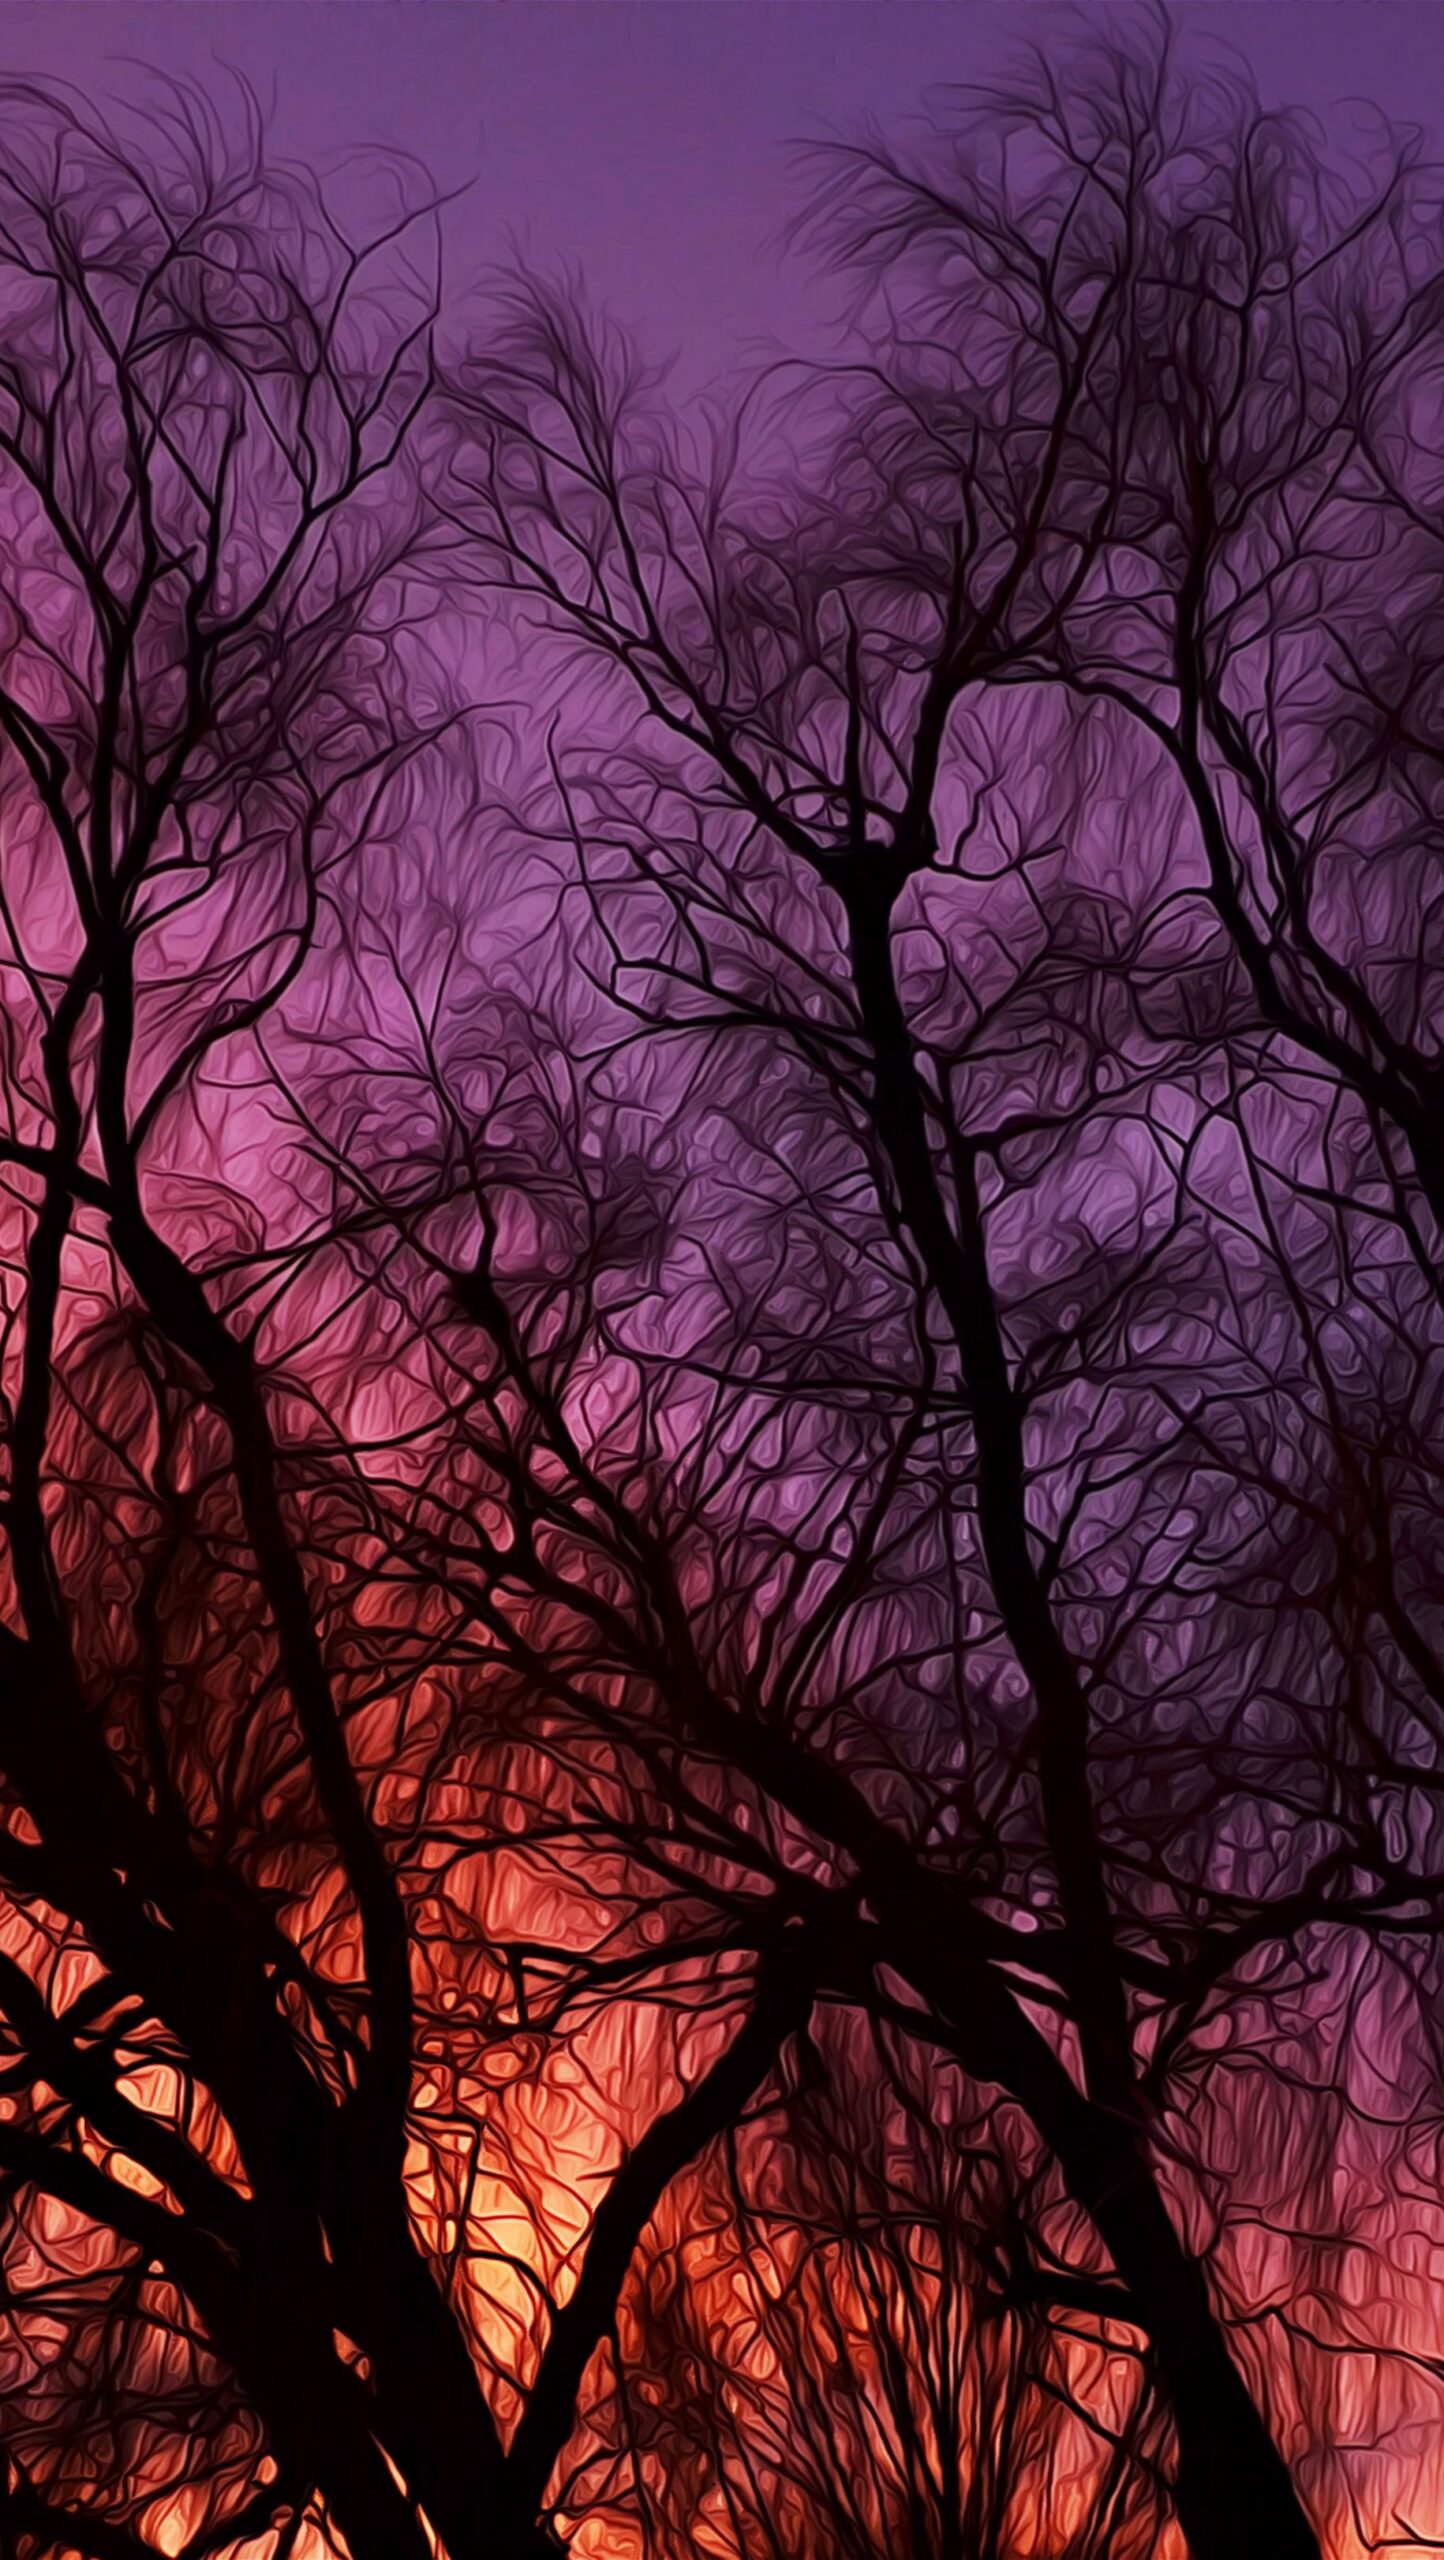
[(800, 845), (1262, 608), (221, 680), (850, 2347), (720, 1793)]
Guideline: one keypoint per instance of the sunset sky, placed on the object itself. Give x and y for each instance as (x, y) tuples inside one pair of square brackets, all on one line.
[(721, 1282), (650, 142)]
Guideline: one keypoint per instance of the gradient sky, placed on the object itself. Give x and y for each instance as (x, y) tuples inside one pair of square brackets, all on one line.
[(647, 139)]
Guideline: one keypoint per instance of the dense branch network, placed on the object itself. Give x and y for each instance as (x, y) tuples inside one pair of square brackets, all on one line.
[(720, 1773)]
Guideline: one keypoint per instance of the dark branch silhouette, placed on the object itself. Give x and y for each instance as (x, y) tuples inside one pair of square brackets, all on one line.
[(720, 1772)]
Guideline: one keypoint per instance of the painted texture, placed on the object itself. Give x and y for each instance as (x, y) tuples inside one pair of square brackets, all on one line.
[(723, 1181)]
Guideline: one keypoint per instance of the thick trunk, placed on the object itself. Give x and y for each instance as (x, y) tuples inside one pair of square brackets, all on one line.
[(1234, 2494), (430, 2412), (318, 2419), (956, 1265), (1235, 2497), (1233, 2489)]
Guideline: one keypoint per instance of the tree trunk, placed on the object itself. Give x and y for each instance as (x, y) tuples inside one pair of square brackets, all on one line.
[(1235, 2496)]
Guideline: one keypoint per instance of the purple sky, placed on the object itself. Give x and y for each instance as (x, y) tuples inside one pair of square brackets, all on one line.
[(649, 140)]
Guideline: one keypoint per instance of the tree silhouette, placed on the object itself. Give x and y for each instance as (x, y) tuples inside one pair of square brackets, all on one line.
[(720, 1763), (219, 684)]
